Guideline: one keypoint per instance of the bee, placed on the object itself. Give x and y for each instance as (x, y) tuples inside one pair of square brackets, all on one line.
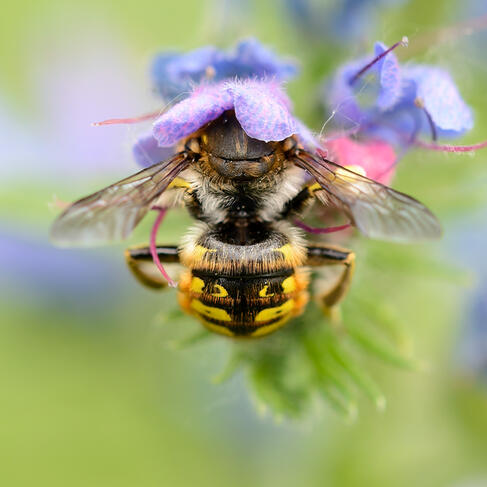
[(246, 267)]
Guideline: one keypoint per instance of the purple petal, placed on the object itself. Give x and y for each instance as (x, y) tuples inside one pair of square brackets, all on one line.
[(305, 136), (340, 96), (441, 98), (174, 73), (389, 78), (254, 59), (262, 109), (147, 151), (204, 105), (194, 63)]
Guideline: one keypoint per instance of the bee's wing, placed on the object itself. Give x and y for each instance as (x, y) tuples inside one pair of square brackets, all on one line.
[(113, 212), (377, 210)]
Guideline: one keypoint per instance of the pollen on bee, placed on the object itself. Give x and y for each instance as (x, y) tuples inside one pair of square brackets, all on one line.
[(193, 145)]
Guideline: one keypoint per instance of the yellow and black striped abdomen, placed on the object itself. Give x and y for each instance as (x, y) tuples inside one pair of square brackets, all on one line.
[(243, 290), (244, 305)]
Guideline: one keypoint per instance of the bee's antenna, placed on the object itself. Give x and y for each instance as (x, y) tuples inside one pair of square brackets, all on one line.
[(153, 248), (403, 42)]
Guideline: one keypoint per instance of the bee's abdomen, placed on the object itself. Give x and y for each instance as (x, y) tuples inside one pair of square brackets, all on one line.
[(244, 305)]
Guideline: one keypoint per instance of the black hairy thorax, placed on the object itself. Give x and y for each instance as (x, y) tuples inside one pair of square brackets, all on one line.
[(240, 175)]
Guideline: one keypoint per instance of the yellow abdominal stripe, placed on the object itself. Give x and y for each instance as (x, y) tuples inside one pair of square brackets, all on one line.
[(260, 331), (276, 312), (220, 292), (210, 311), (289, 285), (263, 292), (264, 330), (218, 328), (198, 284)]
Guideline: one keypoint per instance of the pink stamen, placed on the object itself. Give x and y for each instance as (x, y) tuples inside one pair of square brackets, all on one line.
[(403, 42), (451, 148), (141, 118), (317, 230), (153, 247)]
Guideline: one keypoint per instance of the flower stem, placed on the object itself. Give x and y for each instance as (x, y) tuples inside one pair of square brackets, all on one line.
[(451, 148)]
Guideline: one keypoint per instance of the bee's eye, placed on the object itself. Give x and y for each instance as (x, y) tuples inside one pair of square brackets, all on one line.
[(193, 145)]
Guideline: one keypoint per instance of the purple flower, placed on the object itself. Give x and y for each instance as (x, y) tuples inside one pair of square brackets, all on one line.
[(147, 151), (261, 107), (379, 97), (176, 74)]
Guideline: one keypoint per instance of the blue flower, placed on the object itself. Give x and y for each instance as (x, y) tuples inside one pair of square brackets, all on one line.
[(380, 98), (33, 268), (473, 343), (176, 74)]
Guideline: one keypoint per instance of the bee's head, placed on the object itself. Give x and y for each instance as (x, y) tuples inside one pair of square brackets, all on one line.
[(232, 153)]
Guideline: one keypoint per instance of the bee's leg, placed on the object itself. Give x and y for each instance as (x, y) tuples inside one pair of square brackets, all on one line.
[(297, 205), (334, 285), (140, 262)]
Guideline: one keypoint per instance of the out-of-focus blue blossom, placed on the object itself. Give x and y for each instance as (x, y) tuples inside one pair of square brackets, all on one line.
[(473, 343), (467, 241), (397, 103), (339, 21), (33, 269), (175, 74)]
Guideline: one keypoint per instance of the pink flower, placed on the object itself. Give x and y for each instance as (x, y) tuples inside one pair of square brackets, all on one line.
[(376, 159)]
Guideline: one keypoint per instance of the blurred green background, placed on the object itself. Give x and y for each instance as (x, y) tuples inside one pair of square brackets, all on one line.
[(94, 392)]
